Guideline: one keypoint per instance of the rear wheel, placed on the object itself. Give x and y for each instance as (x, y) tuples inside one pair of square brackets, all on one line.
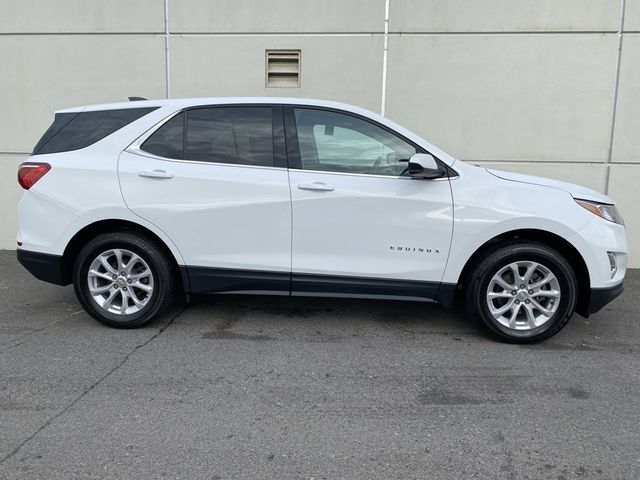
[(523, 292), (123, 279)]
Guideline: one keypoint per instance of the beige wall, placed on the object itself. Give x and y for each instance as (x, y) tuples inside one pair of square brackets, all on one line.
[(332, 67), (50, 72), (511, 16), (491, 97), (512, 84)]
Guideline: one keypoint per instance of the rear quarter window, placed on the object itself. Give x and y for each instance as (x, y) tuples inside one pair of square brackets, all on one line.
[(73, 131), (168, 140)]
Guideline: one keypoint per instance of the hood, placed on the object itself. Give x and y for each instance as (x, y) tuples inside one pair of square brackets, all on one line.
[(576, 191)]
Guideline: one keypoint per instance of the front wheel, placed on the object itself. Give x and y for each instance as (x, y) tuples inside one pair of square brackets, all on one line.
[(523, 292), (123, 279)]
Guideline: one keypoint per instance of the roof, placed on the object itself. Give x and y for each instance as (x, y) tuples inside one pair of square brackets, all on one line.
[(188, 102)]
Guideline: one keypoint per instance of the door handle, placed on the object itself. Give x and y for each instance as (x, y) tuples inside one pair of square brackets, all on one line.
[(316, 186), (155, 174)]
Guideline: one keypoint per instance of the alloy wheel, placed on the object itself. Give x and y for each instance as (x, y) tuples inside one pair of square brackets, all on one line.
[(523, 295), (120, 281)]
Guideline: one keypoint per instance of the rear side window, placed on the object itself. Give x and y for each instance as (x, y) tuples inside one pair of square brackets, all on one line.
[(236, 135), (168, 140), (73, 131)]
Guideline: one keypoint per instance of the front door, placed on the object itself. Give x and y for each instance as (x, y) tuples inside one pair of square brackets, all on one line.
[(360, 224)]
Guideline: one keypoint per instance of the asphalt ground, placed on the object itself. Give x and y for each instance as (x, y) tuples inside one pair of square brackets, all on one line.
[(277, 387)]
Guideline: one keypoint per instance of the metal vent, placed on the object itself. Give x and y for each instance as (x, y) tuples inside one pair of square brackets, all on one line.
[(283, 68)]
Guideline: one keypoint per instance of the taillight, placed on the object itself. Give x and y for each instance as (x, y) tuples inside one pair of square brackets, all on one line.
[(30, 172)]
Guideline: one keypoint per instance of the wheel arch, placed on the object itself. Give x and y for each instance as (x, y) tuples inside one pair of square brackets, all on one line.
[(91, 230), (558, 243)]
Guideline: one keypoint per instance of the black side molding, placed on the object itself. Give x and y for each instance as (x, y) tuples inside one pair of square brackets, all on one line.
[(43, 266), (48, 268), (601, 297), (382, 287), (220, 280)]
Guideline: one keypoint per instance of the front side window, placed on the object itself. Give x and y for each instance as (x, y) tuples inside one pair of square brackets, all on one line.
[(337, 142), (235, 135)]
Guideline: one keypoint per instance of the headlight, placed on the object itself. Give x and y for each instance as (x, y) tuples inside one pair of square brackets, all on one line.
[(603, 210)]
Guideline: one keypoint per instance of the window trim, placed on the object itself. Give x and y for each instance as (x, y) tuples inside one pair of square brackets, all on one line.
[(293, 148), (277, 136)]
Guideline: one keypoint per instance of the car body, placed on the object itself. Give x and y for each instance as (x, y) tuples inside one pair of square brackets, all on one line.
[(306, 197)]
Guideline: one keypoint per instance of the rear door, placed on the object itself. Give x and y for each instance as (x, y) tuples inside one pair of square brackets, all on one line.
[(214, 179)]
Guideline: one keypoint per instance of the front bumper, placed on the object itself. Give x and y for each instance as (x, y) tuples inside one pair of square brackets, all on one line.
[(43, 266), (602, 296)]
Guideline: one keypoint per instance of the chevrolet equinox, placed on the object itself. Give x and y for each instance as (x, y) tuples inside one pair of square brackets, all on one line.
[(137, 202)]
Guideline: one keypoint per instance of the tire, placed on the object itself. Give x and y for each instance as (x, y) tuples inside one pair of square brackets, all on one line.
[(493, 305), (150, 279)]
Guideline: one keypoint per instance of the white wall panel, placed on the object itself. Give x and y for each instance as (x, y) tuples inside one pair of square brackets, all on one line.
[(339, 68), (626, 146), (623, 187), (503, 15), (499, 97), (632, 16), (89, 16), (46, 73), (206, 16)]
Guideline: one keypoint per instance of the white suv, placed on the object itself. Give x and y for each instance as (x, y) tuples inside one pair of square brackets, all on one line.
[(135, 202)]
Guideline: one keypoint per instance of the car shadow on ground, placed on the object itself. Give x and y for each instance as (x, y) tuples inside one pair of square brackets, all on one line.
[(346, 316)]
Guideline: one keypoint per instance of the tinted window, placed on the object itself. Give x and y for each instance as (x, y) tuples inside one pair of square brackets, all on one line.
[(237, 135), (168, 140), (59, 122), (337, 142), (86, 128)]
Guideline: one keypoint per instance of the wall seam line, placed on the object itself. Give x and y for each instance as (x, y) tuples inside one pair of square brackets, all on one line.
[(167, 69), (394, 33), (385, 55), (614, 106)]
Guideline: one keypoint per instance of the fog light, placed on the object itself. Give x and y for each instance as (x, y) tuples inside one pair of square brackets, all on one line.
[(613, 265)]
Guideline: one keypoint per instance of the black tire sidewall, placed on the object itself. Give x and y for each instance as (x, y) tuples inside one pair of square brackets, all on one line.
[(148, 252), (546, 257)]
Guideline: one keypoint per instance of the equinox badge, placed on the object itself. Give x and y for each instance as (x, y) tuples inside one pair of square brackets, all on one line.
[(414, 249)]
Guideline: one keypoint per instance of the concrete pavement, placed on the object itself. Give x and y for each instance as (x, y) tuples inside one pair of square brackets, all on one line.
[(278, 387)]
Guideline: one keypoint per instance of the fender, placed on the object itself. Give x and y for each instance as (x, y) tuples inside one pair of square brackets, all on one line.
[(470, 244)]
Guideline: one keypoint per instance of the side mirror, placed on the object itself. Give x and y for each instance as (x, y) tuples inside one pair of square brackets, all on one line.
[(423, 165)]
